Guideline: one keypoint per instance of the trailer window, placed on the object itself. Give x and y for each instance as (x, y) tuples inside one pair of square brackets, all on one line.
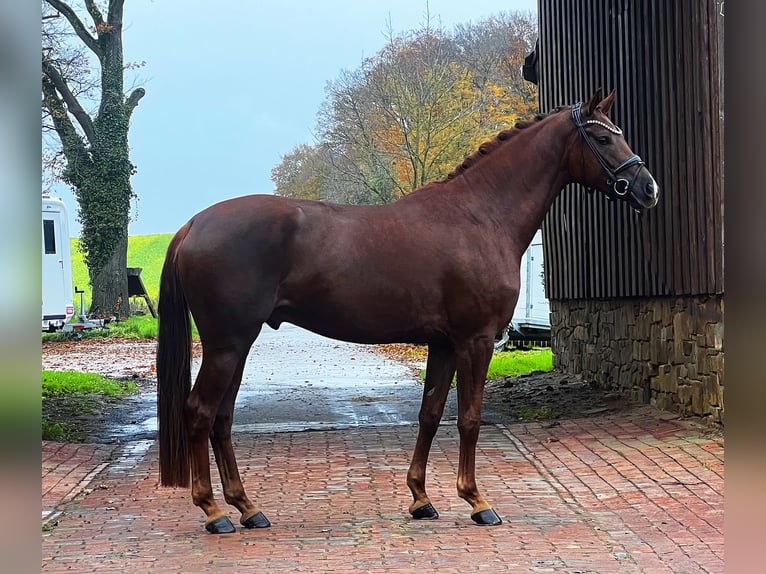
[(49, 237)]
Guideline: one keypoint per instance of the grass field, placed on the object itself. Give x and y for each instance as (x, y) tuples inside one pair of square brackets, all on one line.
[(513, 363), (67, 395), (62, 382), (508, 363), (145, 251)]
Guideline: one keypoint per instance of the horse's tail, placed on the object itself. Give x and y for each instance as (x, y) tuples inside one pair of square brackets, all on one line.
[(173, 370)]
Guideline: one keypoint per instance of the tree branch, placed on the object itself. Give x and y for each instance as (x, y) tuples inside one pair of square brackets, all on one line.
[(74, 149), (132, 101), (77, 25), (94, 12), (70, 100)]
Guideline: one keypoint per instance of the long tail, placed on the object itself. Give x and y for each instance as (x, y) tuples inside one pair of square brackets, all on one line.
[(173, 370)]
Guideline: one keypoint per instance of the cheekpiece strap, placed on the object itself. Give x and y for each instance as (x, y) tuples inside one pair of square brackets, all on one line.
[(611, 172)]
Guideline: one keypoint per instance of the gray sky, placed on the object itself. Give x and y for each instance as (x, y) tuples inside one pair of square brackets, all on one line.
[(231, 86)]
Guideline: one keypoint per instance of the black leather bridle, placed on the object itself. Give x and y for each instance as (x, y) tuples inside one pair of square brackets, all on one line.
[(620, 185)]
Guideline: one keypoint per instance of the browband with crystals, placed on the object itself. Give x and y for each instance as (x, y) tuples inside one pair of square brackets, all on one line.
[(613, 129)]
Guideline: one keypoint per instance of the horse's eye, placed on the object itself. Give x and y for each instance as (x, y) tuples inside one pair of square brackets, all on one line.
[(603, 140)]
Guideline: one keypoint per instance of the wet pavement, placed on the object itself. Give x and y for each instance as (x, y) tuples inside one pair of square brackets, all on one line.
[(632, 491), (294, 380)]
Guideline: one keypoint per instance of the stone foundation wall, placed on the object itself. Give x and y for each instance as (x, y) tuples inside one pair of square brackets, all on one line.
[(663, 351)]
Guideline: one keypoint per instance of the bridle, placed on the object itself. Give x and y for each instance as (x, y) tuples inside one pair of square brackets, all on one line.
[(620, 185)]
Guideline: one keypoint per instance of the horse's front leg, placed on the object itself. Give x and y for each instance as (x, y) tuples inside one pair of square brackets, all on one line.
[(220, 439), (440, 369), (472, 363)]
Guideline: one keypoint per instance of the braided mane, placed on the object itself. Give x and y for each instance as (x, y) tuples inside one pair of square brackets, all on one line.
[(490, 145)]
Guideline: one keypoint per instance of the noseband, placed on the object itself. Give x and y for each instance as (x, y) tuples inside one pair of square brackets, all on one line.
[(620, 185)]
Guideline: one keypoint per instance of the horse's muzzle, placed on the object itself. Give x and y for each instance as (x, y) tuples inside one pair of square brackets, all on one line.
[(645, 192)]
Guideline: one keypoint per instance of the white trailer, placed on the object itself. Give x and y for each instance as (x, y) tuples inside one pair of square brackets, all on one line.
[(532, 314), (58, 305), (531, 317)]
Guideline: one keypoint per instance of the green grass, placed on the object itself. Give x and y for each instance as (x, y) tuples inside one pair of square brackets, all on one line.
[(64, 382), (514, 363), (136, 327), (49, 526), (145, 251), (68, 396), (80, 279), (60, 431)]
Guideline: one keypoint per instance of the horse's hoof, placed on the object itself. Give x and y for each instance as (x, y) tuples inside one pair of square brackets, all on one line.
[(427, 512), (486, 517), (257, 520), (220, 526)]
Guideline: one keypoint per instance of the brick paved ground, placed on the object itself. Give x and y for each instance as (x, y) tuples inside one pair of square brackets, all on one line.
[(67, 469), (623, 493)]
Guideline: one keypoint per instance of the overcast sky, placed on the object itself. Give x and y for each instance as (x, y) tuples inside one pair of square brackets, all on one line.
[(232, 86)]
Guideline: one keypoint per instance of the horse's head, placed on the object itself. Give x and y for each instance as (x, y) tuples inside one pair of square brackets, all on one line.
[(603, 160)]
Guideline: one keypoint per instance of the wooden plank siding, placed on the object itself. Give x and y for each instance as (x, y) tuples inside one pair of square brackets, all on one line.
[(664, 60)]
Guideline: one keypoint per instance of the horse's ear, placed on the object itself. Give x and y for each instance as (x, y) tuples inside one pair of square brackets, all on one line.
[(606, 103), (594, 101)]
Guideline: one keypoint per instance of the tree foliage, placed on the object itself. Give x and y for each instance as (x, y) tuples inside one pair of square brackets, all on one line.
[(409, 114), (93, 143), (299, 175)]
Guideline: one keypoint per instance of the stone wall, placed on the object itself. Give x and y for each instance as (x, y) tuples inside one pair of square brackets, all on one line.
[(663, 351)]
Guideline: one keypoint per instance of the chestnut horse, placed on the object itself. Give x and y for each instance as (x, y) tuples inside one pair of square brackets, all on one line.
[(438, 267)]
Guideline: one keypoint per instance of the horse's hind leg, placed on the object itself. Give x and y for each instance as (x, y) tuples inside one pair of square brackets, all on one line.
[(439, 372), (220, 439), (202, 406)]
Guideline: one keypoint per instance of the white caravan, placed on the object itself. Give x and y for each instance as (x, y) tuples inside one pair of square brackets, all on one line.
[(531, 317), (58, 307), (532, 314)]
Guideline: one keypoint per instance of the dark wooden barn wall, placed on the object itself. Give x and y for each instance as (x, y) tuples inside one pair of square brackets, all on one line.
[(663, 59)]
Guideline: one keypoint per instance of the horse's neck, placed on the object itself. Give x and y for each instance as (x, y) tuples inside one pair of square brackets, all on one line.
[(518, 186)]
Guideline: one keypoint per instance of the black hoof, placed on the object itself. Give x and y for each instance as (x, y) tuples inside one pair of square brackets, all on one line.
[(486, 517), (258, 520), (427, 512), (220, 526)]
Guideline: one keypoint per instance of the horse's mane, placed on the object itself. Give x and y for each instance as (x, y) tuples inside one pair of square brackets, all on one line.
[(491, 145)]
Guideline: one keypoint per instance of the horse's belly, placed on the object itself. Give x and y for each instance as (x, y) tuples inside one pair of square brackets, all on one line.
[(360, 321)]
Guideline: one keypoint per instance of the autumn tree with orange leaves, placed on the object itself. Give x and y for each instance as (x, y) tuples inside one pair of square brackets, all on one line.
[(412, 112)]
